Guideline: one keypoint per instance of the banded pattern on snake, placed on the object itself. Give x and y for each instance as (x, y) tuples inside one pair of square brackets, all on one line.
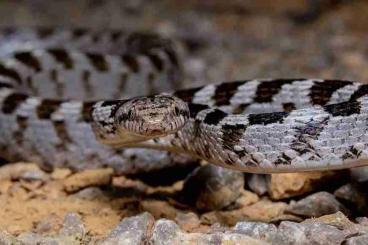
[(261, 126)]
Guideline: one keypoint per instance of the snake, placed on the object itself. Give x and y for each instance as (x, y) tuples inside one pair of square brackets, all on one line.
[(74, 96)]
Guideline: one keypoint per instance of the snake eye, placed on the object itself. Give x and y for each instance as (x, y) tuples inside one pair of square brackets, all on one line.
[(152, 116)]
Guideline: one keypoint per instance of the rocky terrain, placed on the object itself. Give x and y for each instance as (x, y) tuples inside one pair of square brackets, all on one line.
[(201, 204)]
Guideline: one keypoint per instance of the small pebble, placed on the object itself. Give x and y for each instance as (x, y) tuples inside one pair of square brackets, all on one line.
[(30, 238), (187, 221), (316, 205), (299, 234), (287, 185), (246, 198), (352, 195), (263, 210), (90, 193), (357, 240), (132, 230), (73, 227), (359, 174), (159, 209), (15, 170), (258, 230), (60, 173), (92, 177), (34, 175), (362, 220), (166, 232), (7, 239), (51, 222), (211, 187), (258, 183)]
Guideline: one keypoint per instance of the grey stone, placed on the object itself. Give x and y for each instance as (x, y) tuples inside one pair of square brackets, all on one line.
[(359, 174), (316, 205), (211, 187), (90, 193), (132, 230), (36, 174), (304, 234), (73, 227), (43, 227), (47, 224), (362, 220), (240, 239), (187, 221), (357, 240), (7, 239), (30, 238), (165, 232), (220, 238), (258, 183), (258, 230), (353, 195)]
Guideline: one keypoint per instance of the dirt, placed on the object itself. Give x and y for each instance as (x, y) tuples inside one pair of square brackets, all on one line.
[(265, 39), (25, 205)]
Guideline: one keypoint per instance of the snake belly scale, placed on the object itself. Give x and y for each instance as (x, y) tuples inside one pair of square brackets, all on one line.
[(54, 109)]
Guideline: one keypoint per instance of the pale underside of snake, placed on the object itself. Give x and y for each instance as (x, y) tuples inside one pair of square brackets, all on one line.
[(260, 126)]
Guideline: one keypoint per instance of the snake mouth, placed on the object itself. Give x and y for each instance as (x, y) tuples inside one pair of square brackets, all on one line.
[(151, 116)]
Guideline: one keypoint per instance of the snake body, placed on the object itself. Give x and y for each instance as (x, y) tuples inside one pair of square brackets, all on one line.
[(260, 125)]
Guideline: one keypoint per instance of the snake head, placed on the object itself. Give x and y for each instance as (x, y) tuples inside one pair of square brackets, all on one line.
[(139, 119)]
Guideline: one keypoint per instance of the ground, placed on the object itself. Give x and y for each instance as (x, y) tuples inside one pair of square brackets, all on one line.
[(230, 41)]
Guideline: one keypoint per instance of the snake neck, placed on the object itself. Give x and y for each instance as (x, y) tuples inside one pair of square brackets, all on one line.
[(303, 140)]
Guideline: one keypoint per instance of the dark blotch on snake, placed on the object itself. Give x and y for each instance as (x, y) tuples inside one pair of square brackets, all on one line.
[(321, 92), (5, 85), (62, 56), (267, 118), (79, 32), (187, 94), (47, 107), (225, 91), (156, 61), (267, 89), (22, 126), (115, 35), (8, 72), (288, 107), (11, 103), (214, 117), (194, 109), (283, 160), (27, 59), (231, 135), (240, 108), (98, 61), (62, 133), (362, 90), (343, 109), (131, 62), (45, 32), (86, 111)]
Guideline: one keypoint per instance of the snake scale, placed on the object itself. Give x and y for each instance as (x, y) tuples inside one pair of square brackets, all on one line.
[(53, 107)]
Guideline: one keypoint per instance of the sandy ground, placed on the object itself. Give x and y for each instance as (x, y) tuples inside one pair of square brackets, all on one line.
[(243, 40)]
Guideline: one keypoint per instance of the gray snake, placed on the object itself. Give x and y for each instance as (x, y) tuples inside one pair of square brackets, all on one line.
[(260, 125)]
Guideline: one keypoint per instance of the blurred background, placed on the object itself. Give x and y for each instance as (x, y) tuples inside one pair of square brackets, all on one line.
[(224, 40), (233, 39)]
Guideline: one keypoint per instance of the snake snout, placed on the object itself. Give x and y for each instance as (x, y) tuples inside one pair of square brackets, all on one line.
[(152, 116)]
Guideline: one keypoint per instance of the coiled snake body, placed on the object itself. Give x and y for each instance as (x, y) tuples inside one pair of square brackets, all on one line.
[(263, 126)]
